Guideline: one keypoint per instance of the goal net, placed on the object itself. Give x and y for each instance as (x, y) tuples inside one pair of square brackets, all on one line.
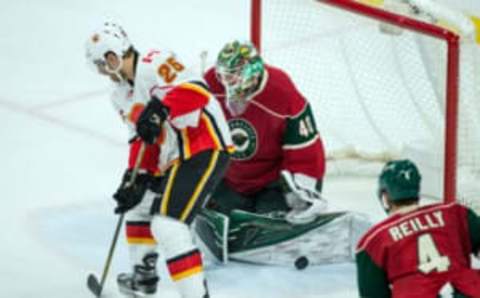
[(386, 80)]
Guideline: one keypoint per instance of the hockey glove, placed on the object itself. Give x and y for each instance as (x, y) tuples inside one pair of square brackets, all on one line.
[(129, 195), (149, 124), (304, 200)]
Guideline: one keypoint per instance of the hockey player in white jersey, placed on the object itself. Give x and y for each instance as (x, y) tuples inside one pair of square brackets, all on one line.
[(187, 151)]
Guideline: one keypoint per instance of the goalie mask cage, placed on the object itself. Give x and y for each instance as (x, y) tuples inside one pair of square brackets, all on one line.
[(386, 81)]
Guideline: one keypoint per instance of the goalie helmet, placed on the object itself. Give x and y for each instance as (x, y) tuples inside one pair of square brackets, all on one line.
[(239, 67), (400, 179), (110, 38)]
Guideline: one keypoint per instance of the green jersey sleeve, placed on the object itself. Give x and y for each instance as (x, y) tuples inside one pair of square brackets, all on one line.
[(372, 280), (300, 129), (474, 229)]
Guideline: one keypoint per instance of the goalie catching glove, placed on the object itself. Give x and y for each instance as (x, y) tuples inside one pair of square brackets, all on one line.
[(302, 197), (129, 195), (150, 122)]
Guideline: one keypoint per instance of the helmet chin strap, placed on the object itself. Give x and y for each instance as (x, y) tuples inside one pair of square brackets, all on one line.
[(385, 204), (116, 71)]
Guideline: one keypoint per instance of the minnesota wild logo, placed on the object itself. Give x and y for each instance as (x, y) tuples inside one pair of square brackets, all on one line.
[(244, 138)]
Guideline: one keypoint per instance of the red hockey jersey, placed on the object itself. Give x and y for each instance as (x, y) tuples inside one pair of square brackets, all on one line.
[(415, 253), (276, 131)]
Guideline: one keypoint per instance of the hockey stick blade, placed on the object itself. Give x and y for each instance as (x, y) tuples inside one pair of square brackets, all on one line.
[(94, 285), (92, 282)]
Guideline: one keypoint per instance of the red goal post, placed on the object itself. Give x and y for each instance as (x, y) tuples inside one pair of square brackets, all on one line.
[(449, 36)]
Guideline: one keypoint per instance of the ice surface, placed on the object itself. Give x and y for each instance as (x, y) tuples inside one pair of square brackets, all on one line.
[(63, 150)]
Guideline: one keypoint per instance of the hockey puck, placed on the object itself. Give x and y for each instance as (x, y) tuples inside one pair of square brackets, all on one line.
[(301, 263)]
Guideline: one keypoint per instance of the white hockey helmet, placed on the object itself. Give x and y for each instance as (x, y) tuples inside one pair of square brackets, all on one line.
[(110, 37)]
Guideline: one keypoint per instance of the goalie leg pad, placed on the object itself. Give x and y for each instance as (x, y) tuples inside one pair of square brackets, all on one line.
[(331, 238), (211, 228)]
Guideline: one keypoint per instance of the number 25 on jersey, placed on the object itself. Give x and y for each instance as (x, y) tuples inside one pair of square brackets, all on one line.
[(169, 70)]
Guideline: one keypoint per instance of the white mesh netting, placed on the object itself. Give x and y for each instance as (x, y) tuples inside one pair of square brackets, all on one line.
[(376, 96)]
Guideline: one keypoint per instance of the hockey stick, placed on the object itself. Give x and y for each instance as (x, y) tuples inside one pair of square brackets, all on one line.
[(93, 284)]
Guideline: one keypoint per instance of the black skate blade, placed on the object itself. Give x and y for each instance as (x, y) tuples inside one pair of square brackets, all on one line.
[(134, 294)]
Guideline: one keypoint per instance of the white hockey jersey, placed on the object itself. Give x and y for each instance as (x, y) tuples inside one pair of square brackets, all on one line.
[(196, 121)]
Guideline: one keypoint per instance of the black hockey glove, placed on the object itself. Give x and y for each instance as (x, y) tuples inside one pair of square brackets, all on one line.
[(149, 124), (130, 195)]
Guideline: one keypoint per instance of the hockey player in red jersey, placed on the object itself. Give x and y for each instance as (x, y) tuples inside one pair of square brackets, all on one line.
[(417, 250), (271, 192), (188, 142), (274, 132)]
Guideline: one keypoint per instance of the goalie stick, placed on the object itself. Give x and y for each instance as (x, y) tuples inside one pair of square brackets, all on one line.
[(93, 283)]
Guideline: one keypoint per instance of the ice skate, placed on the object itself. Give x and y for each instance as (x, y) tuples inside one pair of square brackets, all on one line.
[(135, 285)]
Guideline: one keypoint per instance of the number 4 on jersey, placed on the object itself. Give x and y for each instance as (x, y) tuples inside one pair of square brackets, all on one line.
[(429, 258)]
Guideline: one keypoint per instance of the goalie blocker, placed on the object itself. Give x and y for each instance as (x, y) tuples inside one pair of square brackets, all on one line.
[(272, 240)]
